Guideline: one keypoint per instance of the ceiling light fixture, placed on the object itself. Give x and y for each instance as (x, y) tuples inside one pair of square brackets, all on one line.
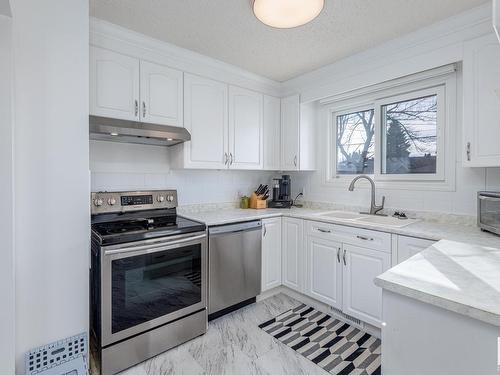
[(285, 14)]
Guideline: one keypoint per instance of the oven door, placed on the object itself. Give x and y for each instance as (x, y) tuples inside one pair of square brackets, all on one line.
[(488, 215), (149, 283)]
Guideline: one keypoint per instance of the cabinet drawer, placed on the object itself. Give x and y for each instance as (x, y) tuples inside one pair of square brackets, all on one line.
[(355, 236)]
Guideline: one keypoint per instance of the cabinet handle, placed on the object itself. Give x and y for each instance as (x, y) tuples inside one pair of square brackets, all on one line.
[(143, 109), (468, 151), (225, 158), (365, 238), (265, 230), (338, 254), (230, 158), (343, 258), (295, 160), (136, 107), (324, 230)]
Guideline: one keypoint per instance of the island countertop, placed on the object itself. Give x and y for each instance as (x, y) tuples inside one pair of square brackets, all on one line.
[(459, 277)]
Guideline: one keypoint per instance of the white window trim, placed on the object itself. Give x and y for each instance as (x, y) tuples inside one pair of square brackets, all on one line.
[(445, 86)]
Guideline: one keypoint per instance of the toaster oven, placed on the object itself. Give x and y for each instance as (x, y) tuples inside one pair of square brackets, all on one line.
[(488, 211)]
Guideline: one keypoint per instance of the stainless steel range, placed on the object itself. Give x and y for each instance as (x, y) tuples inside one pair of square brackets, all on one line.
[(148, 277)]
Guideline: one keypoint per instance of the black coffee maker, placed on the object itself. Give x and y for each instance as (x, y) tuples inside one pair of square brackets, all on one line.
[(282, 191)]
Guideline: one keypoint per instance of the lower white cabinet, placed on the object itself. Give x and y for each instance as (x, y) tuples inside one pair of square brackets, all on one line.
[(341, 265), (292, 253), (361, 298), (271, 253), (409, 246), (324, 271)]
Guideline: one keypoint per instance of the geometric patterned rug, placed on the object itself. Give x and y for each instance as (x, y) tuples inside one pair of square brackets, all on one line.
[(335, 346)]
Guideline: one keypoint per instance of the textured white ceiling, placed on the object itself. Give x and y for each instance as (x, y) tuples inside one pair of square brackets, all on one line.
[(227, 29)]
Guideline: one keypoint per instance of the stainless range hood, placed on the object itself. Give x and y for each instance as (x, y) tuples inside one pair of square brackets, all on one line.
[(126, 131)]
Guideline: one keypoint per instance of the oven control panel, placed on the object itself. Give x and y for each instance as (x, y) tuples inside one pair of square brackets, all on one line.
[(123, 201)]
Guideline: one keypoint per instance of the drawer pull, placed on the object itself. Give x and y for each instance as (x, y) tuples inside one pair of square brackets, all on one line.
[(343, 257), (365, 238), (338, 254), (324, 230)]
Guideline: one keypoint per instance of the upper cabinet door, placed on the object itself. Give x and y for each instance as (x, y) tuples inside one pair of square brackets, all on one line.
[(246, 136), (205, 117), (114, 85), (481, 88), (161, 94), (290, 111), (272, 133)]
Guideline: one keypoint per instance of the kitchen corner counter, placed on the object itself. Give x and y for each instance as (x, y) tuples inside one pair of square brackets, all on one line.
[(455, 276), (419, 228)]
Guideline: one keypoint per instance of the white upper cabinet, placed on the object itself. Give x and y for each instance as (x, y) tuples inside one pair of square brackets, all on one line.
[(127, 88), (481, 88), (161, 94), (292, 253), (272, 133), (246, 132), (409, 246), (290, 112), (271, 253), (205, 117), (362, 298), (324, 271), (114, 85)]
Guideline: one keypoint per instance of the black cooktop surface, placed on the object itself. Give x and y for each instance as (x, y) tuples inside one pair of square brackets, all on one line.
[(141, 225)]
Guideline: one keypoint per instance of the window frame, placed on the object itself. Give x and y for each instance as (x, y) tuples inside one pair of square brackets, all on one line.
[(444, 84), (380, 136)]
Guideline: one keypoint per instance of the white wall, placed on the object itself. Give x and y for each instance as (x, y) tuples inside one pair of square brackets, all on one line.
[(122, 167), (427, 48), (51, 178), (7, 343)]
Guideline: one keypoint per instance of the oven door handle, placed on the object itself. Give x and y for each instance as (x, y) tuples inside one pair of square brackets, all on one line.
[(156, 245)]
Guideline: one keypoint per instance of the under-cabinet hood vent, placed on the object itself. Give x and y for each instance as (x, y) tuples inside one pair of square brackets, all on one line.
[(126, 131)]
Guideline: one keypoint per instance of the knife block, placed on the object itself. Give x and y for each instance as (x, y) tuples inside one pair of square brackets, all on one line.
[(257, 202)]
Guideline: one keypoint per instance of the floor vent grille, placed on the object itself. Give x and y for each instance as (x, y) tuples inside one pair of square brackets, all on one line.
[(350, 318)]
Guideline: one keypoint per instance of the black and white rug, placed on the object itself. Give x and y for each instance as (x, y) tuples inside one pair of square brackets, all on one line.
[(335, 346)]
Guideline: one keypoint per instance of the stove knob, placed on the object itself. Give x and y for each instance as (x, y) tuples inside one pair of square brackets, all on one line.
[(111, 201), (170, 198), (160, 198), (98, 202)]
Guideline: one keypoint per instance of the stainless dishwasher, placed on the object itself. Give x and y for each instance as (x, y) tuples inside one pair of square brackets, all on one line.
[(234, 271)]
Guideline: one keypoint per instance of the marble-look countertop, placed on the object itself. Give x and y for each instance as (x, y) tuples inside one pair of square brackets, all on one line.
[(458, 277), (418, 228)]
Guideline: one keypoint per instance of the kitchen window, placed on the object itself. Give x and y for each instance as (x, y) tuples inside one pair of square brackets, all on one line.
[(355, 142), (398, 133)]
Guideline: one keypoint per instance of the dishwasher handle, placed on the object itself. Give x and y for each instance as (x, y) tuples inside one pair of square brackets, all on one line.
[(238, 227)]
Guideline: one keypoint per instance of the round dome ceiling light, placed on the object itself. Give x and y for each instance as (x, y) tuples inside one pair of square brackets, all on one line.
[(285, 14)]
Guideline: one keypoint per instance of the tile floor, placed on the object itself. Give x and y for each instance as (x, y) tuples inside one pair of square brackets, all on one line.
[(234, 345)]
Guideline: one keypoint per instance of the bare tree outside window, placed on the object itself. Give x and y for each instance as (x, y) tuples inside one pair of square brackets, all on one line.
[(410, 141), (355, 143)]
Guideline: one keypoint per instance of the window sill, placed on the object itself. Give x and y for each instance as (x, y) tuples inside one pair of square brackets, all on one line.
[(343, 182)]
